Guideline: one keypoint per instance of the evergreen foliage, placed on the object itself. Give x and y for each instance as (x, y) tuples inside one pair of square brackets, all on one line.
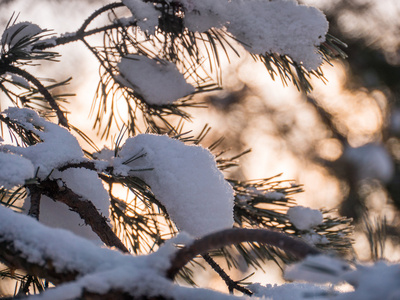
[(141, 223)]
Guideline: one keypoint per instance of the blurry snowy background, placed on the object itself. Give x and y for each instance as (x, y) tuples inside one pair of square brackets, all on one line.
[(342, 141)]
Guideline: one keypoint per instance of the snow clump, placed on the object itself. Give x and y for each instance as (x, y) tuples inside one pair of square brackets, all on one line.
[(158, 82), (278, 26), (304, 218), (14, 170), (144, 14), (57, 148), (184, 178)]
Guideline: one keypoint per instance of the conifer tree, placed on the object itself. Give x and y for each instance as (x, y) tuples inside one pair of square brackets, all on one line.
[(180, 210)]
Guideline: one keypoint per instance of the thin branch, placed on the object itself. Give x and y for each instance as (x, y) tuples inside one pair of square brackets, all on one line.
[(235, 236), (80, 34), (232, 285), (97, 13), (35, 195), (42, 89), (86, 210)]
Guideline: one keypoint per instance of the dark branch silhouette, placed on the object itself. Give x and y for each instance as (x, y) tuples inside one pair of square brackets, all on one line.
[(234, 236)]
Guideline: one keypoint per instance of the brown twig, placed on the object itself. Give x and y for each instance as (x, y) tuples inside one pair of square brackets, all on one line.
[(234, 236), (35, 195), (86, 210), (232, 285)]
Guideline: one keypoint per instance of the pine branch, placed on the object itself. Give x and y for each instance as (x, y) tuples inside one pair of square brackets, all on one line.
[(232, 285), (86, 210), (42, 89), (35, 194), (96, 13), (234, 236), (10, 256), (28, 138), (80, 34)]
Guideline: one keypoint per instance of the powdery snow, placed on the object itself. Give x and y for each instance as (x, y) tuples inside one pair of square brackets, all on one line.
[(304, 218), (159, 82), (288, 291), (101, 269), (378, 281), (185, 179), (14, 170), (279, 26), (318, 269), (59, 146), (144, 13)]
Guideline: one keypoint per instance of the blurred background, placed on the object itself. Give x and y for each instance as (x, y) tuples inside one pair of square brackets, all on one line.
[(341, 141)]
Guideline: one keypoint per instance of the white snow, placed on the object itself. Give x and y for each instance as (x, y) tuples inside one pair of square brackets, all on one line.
[(288, 291), (59, 146), (14, 170), (317, 269), (13, 34), (185, 179), (371, 161), (304, 218), (144, 13), (100, 269), (314, 238), (159, 82), (279, 26), (378, 281)]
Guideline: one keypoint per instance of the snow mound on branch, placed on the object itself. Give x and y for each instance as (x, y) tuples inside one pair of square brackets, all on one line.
[(378, 281), (14, 170), (304, 218), (278, 26), (144, 13), (185, 179), (159, 82), (59, 146), (288, 291), (15, 33), (318, 269)]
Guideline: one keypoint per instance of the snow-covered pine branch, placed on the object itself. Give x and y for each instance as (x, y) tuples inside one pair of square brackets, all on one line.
[(157, 56)]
